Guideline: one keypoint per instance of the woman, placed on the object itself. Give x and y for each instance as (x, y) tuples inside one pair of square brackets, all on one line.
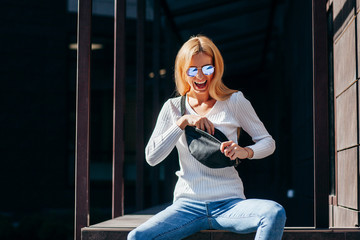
[(208, 198)]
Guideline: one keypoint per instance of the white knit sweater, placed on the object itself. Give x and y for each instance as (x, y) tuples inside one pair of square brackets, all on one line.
[(196, 181)]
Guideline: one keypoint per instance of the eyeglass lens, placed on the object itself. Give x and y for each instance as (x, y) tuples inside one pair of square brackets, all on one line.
[(207, 70)]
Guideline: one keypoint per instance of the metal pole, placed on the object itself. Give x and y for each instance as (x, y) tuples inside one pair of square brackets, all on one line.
[(140, 75), (156, 92), (321, 116), (119, 109), (82, 147)]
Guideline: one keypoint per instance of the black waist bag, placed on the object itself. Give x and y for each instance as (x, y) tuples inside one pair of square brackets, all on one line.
[(205, 147)]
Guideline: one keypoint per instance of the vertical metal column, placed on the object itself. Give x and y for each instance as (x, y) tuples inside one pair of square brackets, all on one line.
[(170, 59), (119, 109), (82, 147), (156, 92), (140, 75), (321, 125), (168, 91)]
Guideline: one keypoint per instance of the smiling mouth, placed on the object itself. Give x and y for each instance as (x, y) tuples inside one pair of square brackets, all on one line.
[(201, 85)]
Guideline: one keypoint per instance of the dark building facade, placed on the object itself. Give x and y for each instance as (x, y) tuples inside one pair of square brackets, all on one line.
[(267, 49)]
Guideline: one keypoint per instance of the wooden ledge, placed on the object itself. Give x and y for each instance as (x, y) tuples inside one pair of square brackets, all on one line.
[(119, 228)]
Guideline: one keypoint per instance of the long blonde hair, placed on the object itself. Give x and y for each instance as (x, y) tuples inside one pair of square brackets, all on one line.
[(193, 46)]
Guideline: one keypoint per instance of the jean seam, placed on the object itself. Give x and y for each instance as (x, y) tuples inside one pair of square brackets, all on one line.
[(238, 217), (208, 215), (175, 229), (261, 229)]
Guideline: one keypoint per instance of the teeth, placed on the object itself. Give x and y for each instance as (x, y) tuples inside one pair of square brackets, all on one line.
[(200, 82)]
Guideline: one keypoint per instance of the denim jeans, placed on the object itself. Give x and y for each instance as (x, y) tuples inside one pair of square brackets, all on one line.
[(186, 217)]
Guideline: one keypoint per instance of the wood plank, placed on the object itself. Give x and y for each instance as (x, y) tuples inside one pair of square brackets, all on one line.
[(224, 235), (102, 235), (300, 234), (346, 119), (348, 178), (331, 216), (127, 221), (82, 150), (313, 235), (201, 236), (132, 220), (345, 60), (343, 13), (118, 109), (119, 228), (344, 217), (140, 76), (352, 236), (358, 39)]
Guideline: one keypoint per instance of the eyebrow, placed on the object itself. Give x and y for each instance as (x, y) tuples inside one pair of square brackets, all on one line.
[(202, 65)]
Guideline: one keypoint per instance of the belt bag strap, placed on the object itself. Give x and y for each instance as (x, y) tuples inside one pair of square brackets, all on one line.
[(205, 147)]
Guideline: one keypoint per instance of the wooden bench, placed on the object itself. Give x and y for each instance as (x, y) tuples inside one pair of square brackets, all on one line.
[(118, 229)]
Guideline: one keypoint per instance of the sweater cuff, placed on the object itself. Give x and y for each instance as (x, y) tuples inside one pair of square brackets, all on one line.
[(262, 151), (253, 148)]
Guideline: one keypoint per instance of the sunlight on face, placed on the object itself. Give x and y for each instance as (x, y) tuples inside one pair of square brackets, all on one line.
[(201, 82)]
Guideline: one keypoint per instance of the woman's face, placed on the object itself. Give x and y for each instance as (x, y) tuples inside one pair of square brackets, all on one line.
[(199, 84)]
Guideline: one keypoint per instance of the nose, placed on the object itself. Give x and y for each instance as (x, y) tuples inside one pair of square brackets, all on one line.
[(200, 74)]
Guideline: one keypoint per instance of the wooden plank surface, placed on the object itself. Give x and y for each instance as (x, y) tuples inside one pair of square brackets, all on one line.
[(358, 41), (343, 13), (344, 217), (294, 234), (82, 142), (131, 220), (348, 178), (127, 221), (118, 109), (346, 119), (345, 60)]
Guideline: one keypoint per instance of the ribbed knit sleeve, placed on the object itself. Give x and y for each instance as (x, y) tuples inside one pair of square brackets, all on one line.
[(164, 136), (250, 122)]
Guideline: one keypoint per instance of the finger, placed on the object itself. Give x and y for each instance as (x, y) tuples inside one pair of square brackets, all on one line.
[(224, 145), (202, 125), (212, 128), (229, 152), (208, 127), (230, 148)]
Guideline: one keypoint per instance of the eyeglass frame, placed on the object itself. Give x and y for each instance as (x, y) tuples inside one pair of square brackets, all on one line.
[(197, 70)]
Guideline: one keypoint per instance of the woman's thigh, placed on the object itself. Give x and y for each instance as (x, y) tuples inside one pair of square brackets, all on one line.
[(244, 216), (178, 221)]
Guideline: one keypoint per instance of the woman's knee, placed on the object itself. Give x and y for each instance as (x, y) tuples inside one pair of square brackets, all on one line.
[(276, 212), (137, 235)]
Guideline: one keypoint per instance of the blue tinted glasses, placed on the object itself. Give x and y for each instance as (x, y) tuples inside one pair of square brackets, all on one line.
[(206, 70)]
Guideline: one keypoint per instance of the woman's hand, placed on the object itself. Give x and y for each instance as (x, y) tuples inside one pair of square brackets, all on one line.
[(197, 121), (233, 151)]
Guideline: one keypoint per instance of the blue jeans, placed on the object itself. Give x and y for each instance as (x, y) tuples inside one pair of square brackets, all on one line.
[(186, 217)]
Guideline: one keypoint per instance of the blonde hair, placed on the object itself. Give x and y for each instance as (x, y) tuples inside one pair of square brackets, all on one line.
[(201, 44)]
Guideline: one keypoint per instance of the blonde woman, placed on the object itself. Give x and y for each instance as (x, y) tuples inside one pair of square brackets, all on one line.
[(209, 198)]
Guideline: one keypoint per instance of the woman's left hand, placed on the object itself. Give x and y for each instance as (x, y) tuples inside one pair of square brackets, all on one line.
[(233, 151)]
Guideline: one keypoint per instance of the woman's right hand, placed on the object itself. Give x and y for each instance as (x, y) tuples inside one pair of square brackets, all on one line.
[(197, 121)]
